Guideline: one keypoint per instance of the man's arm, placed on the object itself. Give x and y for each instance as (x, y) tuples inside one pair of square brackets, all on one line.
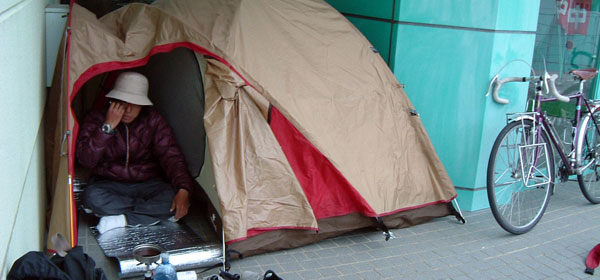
[(173, 164), (92, 142)]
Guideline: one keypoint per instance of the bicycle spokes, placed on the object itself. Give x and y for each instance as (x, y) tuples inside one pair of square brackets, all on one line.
[(520, 176)]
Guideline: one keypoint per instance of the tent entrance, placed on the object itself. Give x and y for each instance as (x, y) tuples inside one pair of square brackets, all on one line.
[(177, 91)]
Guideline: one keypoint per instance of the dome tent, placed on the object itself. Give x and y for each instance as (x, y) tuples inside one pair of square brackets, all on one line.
[(309, 134)]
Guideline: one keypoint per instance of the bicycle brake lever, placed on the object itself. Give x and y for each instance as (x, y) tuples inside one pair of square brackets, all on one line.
[(545, 81)]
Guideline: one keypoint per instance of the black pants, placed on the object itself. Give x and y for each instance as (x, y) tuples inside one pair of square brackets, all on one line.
[(142, 203)]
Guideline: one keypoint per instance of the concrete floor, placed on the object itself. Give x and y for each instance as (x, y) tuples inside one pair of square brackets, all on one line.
[(440, 249)]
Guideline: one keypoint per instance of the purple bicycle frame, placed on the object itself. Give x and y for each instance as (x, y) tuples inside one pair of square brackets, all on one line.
[(540, 118)]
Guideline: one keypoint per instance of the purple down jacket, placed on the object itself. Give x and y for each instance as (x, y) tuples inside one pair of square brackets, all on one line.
[(142, 150)]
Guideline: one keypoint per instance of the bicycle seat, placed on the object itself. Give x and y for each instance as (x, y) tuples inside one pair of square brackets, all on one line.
[(584, 74)]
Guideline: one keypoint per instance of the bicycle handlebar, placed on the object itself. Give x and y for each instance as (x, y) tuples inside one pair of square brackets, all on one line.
[(499, 84), (549, 83), (552, 87)]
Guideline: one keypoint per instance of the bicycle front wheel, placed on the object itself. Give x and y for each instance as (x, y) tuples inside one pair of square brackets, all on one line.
[(587, 157), (520, 176)]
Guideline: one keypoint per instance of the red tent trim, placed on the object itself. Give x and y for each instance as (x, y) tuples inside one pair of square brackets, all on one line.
[(418, 206), (256, 231), (118, 65), (72, 210), (107, 67)]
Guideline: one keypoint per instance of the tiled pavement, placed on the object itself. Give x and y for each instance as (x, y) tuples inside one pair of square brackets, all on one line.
[(444, 249)]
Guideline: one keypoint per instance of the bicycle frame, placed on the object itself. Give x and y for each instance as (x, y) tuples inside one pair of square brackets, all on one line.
[(569, 159)]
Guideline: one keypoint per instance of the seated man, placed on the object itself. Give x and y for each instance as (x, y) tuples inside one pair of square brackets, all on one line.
[(131, 149)]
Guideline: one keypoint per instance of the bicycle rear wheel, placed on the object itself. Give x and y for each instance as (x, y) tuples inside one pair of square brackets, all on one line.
[(520, 176), (588, 156)]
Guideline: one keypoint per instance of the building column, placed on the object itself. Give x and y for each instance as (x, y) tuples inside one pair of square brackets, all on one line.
[(446, 53)]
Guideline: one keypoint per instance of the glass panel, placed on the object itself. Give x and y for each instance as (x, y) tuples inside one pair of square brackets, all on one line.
[(567, 38)]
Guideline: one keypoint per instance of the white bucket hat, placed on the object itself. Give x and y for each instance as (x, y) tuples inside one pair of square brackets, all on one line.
[(131, 87)]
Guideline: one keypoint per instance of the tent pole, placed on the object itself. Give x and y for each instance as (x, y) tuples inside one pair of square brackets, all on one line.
[(224, 254), (455, 204)]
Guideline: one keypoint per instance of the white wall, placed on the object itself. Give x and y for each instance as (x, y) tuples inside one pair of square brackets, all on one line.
[(22, 98)]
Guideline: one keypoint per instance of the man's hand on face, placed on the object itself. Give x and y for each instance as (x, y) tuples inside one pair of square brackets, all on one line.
[(181, 204), (115, 114)]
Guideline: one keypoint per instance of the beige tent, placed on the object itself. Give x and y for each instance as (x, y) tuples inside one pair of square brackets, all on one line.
[(309, 133)]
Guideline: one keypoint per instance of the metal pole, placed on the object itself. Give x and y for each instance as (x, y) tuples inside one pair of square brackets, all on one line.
[(455, 203), (224, 254)]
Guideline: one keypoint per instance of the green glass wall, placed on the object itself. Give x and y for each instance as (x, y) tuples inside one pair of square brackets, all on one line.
[(559, 50), (446, 52)]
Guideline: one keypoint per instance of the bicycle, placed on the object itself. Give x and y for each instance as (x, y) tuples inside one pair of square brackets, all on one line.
[(521, 168)]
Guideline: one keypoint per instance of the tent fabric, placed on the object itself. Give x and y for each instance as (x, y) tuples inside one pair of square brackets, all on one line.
[(256, 185), (314, 172), (61, 210), (288, 83)]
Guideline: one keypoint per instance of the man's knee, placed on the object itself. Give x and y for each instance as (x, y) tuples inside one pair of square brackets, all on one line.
[(90, 196), (157, 190), (102, 200)]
